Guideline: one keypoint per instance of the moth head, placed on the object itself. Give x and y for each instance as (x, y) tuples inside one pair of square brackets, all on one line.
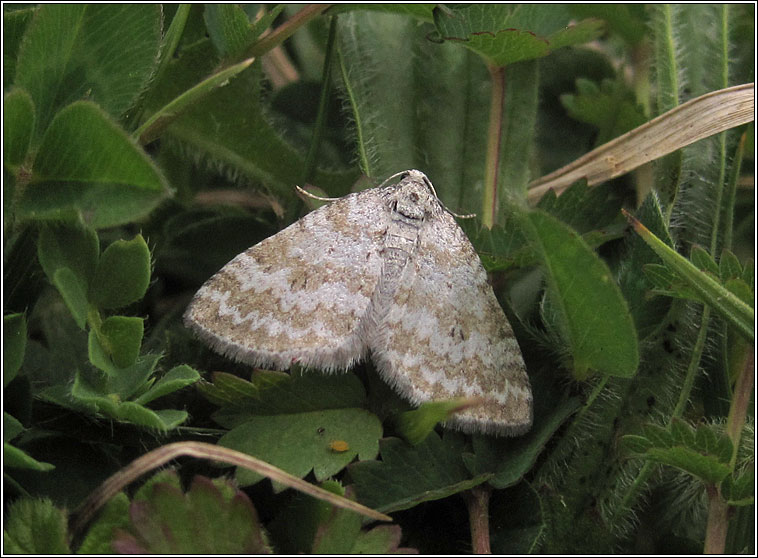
[(415, 196)]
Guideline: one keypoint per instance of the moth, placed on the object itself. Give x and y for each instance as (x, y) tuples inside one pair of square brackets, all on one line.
[(385, 273)]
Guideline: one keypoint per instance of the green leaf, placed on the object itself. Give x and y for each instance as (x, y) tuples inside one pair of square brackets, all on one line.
[(338, 532), (738, 489), (294, 528), (518, 131), (142, 416), (706, 468), (701, 452), (414, 426), (213, 517), (35, 527), (383, 539), (729, 266), (504, 34), (99, 537), (171, 418), (98, 354), (748, 271), (521, 454), (74, 294), (102, 52), (91, 395), (15, 23), (108, 396), (14, 345), (173, 380), (11, 427), (741, 290), (659, 275), (583, 208), (299, 443), (419, 11), (162, 118), (241, 141), (230, 390), (19, 459), (580, 284), (648, 312), (127, 382), (408, 475), (265, 21), (74, 247), (612, 108), (273, 393), (702, 260), (117, 383), (197, 243), (124, 338), (628, 20), (18, 123), (88, 167), (735, 311), (122, 275), (434, 101), (228, 28)]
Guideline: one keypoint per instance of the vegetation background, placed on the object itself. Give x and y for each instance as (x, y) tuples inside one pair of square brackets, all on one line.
[(146, 145)]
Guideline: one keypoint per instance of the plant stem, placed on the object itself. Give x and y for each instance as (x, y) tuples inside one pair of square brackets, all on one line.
[(494, 136), (285, 30), (716, 527), (478, 503), (364, 161), (740, 401)]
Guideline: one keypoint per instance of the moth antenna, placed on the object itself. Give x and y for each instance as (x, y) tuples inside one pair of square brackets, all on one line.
[(464, 216), (313, 196), (391, 177)]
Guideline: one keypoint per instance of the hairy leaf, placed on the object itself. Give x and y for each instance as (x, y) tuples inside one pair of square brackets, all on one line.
[(299, 443), (35, 527), (88, 168)]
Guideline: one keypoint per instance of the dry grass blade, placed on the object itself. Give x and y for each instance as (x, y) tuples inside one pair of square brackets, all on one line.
[(694, 120), (164, 454)]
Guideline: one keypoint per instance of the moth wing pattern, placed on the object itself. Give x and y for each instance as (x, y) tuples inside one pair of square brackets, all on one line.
[(445, 335), (298, 297)]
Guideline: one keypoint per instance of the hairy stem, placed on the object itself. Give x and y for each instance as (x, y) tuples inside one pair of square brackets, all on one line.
[(364, 161), (478, 503), (716, 528), (740, 401), (494, 136)]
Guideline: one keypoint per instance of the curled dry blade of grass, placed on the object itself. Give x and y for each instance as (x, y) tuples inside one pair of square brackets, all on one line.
[(164, 454), (694, 120)]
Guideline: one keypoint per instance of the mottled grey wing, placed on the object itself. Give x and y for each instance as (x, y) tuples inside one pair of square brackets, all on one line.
[(298, 296), (445, 335)]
